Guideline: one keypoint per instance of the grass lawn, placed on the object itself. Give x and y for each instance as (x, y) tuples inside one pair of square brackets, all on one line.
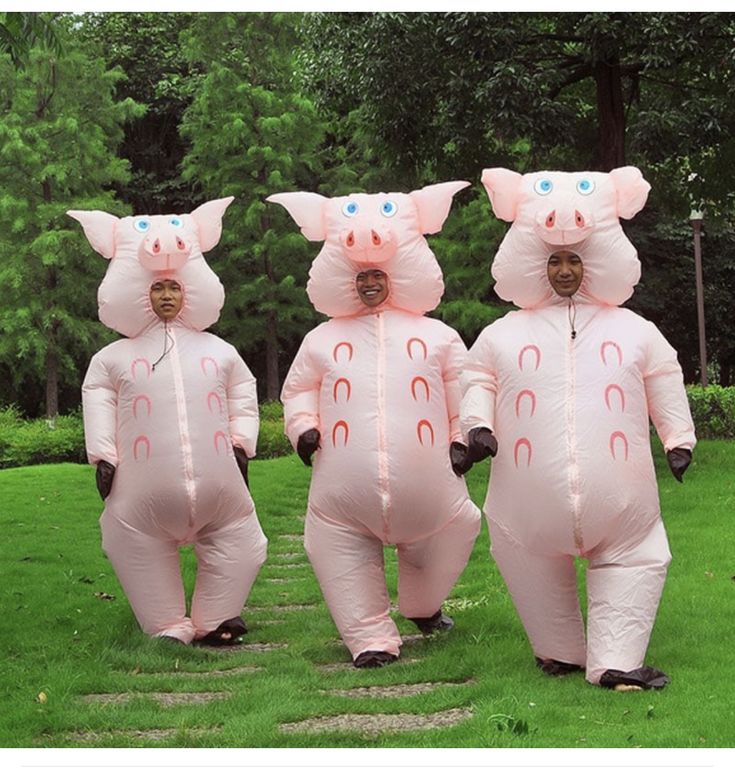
[(64, 638)]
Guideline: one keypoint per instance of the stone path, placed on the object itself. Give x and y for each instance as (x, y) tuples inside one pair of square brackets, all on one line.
[(391, 690), (164, 698), (375, 724)]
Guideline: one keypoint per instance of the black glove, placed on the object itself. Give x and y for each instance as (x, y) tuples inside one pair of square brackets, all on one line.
[(460, 458), (308, 443), (679, 459), (105, 474), (482, 444), (242, 462)]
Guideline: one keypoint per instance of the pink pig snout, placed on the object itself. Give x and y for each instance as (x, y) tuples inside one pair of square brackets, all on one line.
[(564, 226), (368, 244), (164, 250)]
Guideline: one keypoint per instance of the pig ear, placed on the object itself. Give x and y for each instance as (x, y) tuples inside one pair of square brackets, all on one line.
[(307, 210), (99, 228), (433, 203), (631, 188), (208, 218), (504, 188)]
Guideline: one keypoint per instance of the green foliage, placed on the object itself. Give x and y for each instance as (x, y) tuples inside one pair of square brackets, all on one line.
[(713, 411), (39, 441), (58, 134), (272, 442), (19, 32)]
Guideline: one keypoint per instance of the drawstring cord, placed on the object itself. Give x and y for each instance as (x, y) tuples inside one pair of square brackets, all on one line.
[(572, 315), (166, 348)]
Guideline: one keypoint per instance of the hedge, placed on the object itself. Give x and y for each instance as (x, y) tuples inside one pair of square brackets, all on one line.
[(33, 441)]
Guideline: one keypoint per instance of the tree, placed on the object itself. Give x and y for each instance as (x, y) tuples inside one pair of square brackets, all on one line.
[(252, 135), (59, 128), (19, 32)]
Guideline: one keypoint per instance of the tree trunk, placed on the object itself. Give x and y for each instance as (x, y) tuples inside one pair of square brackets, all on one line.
[(52, 377), (272, 383), (610, 112)]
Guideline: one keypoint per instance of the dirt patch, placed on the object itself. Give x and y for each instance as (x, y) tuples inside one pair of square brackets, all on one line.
[(391, 690), (283, 608), (278, 579), (291, 537), (154, 734), (349, 667), (217, 673), (251, 647), (290, 556), (374, 724), (164, 698), (290, 566)]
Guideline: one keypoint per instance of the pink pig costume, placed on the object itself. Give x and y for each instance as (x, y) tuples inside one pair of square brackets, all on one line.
[(381, 385), (568, 386), (168, 425)]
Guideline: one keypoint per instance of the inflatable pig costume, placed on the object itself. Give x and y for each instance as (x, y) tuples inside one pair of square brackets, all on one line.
[(164, 407), (381, 386), (568, 385)]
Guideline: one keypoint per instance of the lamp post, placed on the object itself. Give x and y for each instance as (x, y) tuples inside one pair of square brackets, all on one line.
[(695, 218)]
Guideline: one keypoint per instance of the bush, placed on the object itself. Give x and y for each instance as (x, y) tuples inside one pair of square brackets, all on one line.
[(713, 411), (32, 441)]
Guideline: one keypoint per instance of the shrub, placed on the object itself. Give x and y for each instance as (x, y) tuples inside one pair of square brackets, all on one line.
[(713, 411), (35, 441)]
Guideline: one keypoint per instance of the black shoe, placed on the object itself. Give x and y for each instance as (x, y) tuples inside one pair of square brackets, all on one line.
[(437, 622), (235, 627), (374, 659), (646, 678), (557, 667)]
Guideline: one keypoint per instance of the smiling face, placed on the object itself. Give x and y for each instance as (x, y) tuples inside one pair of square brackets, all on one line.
[(565, 272), (167, 298), (372, 286)]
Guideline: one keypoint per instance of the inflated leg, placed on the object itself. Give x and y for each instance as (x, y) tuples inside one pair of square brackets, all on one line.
[(624, 585), (349, 568), (228, 561), (428, 568), (544, 591), (149, 571)]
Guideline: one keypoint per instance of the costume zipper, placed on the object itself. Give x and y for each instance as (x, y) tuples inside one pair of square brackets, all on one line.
[(183, 428), (573, 466), (382, 449)]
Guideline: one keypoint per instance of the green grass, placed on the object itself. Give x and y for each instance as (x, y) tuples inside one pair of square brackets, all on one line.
[(60, 639)]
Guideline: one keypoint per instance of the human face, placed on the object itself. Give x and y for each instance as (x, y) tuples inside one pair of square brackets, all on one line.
[(372, 286), (167, 298), (565, 272)]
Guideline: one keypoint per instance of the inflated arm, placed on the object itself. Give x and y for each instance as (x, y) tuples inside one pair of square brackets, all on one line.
[(300, 395), (667, 400), (456, 354), (479, 384), (242, 407), (99, 406)]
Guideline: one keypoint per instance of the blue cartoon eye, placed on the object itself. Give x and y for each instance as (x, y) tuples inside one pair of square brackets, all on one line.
[(142, 225), (543, 187), (175, 222), (350, 209), (585, 187), (388, 208)]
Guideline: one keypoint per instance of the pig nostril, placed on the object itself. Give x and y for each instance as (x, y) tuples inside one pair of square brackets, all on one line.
[(180, 243), (350, 241), (376, 239), (551, 219), (156, 246), (578, 219)]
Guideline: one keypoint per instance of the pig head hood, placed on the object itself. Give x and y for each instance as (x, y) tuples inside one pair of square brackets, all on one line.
[(145, 248), (576, 211), (363, 231)]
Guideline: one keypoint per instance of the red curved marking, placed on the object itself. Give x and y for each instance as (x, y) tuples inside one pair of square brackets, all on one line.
[(617, 348), (529, 348), (337, 347), (525, 393), (618, 436), (217, 398), (619, 390), (337, 384), (418, 341), (219, 435), (135, 362), (142, 439), (340, 425), (520, 443), (203, 364), (424, 423), (420, 380), (147, 401)]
